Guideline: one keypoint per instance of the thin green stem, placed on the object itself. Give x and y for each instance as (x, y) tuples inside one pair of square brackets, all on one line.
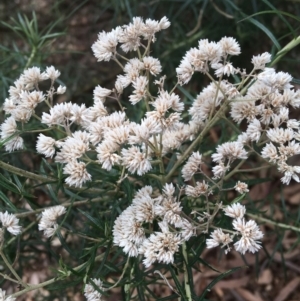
[(270, 222), (30, 59), (147, 48), (39, 131), (186, 276), (12, 269), (23, 231), (41, 178), (8, 278), (50, 281), (121, 277), (118, 62), (66, 204), (196, 141)]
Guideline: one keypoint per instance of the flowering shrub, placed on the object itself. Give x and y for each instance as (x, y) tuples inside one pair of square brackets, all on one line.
[(185, 188)]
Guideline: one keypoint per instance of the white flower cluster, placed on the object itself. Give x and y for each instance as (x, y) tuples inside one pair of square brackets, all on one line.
[(129, 36), (116, 140), (249, 232), (266, 107), (3, 298), (48, 222), (24, 96), (94, 135), (90, 293), (208, 54), (10, 223), (129, 229)]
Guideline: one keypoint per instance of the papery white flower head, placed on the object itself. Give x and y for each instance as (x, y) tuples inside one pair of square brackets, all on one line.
[(293, 124), (223, 69), (72, 148), (101, 93), (10, 222), (161, 247), (48, 222), (3, 298), (144, 207), (91, 293), (128, 232), (192, 166), (105, 47), (196, 58), (220, 170), (280, 80), (170, 211), (260, 61), (229, 46), (45, 145), (106, 154), (184, 71), (14, 91), (254, 130), (77, 172), (243, 138), (235, 210), (8, 127), (280, 135), (211, 51), (231, 151), (135, 160), (32, 76), (61, 89), (52, 73), (164, 23), (290, 172), (140, 89), (117, 135), (187, 230), (30, 100), (243, 110), (152, 64), (270, 152), (241, 187), (250, 235), (129, 37), (201, 188), (218, 237), (209, 99), (58, 115)]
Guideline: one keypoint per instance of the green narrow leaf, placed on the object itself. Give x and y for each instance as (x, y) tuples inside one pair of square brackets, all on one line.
[(65, 245), (5, 183), (279, 13), (4, 198), (238, 198), (216, 280), (178, 285), (92, 219), (186, 93), (266, 31), (105, 257)]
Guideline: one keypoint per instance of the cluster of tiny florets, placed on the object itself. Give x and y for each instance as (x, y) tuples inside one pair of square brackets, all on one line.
[(129, 232), (248, 232), (48, 222), (10, 223), (91, 293)]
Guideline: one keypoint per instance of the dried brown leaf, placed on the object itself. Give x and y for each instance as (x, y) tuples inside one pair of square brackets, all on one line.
[(288, 289)]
